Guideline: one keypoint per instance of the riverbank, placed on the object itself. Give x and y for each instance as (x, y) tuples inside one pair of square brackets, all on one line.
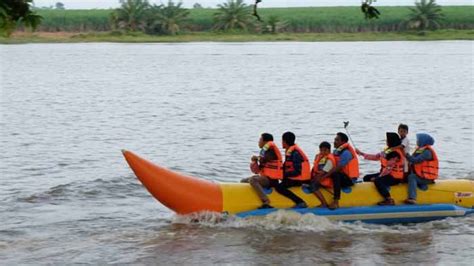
[(69, 37)]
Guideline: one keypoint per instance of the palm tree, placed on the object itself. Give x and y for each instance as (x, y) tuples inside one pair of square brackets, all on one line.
[(170, 18), (14, 12), (426, 15), (234, 14), (132, 15)]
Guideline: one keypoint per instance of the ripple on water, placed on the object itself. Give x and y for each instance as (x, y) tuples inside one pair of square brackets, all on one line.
[(96, 189), (72, 198)]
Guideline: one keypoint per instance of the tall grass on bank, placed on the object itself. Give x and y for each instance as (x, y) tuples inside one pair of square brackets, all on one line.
[(308, 19), (75, 20)]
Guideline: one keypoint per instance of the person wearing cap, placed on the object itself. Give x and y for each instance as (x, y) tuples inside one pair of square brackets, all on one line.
[(392, 164)]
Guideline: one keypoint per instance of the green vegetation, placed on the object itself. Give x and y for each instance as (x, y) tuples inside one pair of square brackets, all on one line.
[(311, 19), (273, 24), (139, 15), (132, 15), (426, 15), (233, 15), (132, 37), (129, 24), (17, 12), (171, 18), (75, 20)]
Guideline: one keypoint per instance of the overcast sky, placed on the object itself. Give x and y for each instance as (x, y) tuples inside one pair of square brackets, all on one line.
[(88, 4)]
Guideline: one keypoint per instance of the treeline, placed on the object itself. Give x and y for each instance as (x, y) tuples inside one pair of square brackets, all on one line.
[(309, 19)]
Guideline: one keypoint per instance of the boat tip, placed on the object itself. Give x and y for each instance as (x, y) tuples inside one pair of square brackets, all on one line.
[(124, 151)]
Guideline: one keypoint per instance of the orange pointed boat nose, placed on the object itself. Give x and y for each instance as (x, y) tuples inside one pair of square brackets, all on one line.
[(181, 193)]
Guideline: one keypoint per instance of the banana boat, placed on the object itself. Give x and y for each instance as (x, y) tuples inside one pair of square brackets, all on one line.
[(186, 194)]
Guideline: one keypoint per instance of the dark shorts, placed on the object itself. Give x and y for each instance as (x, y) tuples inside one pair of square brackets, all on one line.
[(273, 182)]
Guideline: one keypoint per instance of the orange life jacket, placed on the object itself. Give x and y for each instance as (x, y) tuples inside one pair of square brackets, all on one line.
[(352, 168), (397, 170), (272, 169), (427, 169), (318, 165), (305, 167)]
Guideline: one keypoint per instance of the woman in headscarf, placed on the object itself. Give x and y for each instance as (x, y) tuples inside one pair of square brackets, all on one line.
[(424, 164)]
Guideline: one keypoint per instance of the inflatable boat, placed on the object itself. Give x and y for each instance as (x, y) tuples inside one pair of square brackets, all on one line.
[(186, 194)]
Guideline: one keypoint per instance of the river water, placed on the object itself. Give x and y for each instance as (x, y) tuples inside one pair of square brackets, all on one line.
[(67, 195)]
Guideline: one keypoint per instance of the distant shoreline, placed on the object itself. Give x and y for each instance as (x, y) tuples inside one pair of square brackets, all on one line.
[(70, 37)]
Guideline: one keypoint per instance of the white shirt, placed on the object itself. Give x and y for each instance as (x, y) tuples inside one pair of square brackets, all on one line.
[(406, 149), (328, 166), (406, 145)]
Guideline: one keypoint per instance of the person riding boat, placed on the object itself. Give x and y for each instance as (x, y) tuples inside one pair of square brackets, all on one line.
[(346, 171), (392, 162), (393, 143), (267, 167), (296, 169), (403, 132), (323, 163), (424, 164)]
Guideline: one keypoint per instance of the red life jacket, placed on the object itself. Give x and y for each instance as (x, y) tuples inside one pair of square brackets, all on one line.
[(318, 165), (397, 171), (427, 169), (352, 168), (289, 167), (272, 169)]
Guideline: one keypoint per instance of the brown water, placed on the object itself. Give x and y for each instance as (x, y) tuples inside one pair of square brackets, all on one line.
[(67, 195)]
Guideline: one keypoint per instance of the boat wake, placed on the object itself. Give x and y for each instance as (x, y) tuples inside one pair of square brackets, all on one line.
[(290, 221)]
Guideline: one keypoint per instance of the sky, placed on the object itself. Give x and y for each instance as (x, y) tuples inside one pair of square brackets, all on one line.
[(90, 4)]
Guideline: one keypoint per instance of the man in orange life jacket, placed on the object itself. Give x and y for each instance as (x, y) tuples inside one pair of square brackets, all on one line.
[(346, 171), (424, 164), (268, 168), (296, 169), (392, 161), (323, 163)]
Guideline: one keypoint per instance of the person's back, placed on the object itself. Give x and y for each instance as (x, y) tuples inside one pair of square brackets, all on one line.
[(296, 166)]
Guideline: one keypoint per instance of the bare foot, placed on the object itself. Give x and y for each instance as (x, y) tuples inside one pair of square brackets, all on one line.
[(334, 205)]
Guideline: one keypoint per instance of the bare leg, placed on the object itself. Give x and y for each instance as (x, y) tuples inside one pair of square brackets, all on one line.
[(321, 198), (256, 182)]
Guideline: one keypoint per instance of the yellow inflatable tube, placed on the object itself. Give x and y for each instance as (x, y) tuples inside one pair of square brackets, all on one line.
[(185, 194)]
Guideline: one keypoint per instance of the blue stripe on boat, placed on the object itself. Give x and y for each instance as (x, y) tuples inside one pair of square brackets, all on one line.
[(379, 214)]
